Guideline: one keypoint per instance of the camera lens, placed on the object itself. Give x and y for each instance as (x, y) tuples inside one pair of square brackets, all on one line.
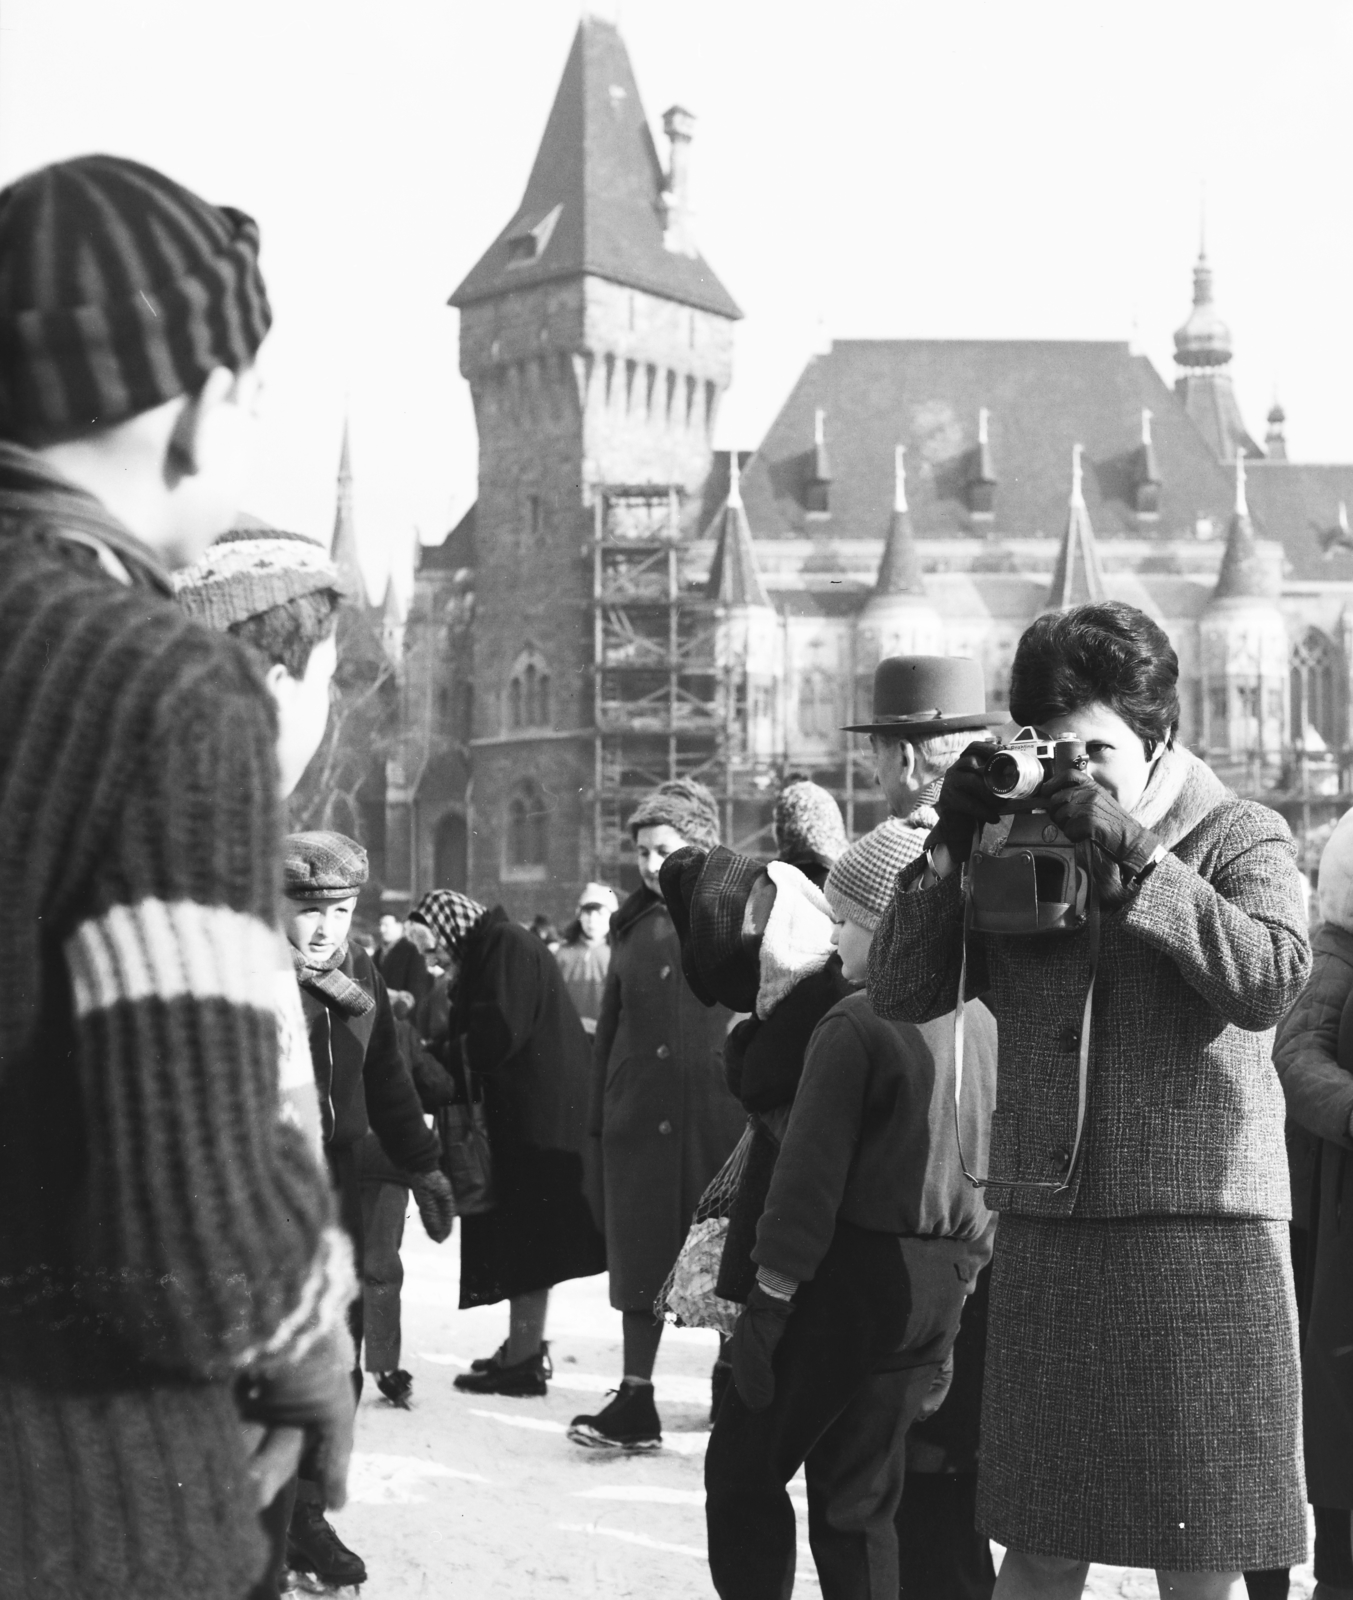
[(1014, 774)]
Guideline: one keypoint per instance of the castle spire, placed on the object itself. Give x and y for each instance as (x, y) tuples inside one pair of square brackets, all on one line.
[(982, 480), (900, 569), (734, 577), (1244, 574), (1078, 578), (344, 546)]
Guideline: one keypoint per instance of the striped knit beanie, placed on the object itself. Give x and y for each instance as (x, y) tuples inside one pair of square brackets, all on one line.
[(683, 804), (119, 290), (860, 886), (249, 571)]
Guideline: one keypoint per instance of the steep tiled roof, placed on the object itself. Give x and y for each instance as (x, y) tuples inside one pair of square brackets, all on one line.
[(734, 579), (593, 200), (1244, 574), (1043, 396), (1299, 504)]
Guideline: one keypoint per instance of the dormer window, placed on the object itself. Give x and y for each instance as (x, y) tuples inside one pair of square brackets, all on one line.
[(529, 244)]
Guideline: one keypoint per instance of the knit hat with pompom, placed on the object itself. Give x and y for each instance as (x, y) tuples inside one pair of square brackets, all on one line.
[(683, 804), (860, 886)]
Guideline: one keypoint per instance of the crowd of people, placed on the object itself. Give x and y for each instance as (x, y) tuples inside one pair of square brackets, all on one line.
[(975, 1140)]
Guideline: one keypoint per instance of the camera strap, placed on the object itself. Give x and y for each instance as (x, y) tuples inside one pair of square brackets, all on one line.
[(1058, 1186)]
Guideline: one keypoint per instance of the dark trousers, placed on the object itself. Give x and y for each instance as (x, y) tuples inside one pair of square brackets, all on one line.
[(940, 1553), (854, 1365), (384, 1206)]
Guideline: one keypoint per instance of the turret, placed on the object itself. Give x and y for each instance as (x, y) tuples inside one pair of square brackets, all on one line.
[(898, 618), (1203, 350), (982, 479), (747, 644), (1078, 577)]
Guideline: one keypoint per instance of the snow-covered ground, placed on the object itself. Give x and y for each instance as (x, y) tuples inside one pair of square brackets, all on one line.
[(484, 1498)]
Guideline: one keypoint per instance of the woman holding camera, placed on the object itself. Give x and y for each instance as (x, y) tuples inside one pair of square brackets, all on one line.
[(1142, 1390)]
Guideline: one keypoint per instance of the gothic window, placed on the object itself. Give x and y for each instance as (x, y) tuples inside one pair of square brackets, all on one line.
[(528, 692), (527, 842), (817, 705), (1319, 701)]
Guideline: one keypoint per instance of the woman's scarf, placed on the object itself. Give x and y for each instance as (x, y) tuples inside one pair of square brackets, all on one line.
[(328, 982), (452, 916), (1180, 792)]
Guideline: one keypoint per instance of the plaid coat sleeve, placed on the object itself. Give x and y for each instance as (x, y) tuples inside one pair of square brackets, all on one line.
[(917, 953), (1318, 1090), (1236, 927)]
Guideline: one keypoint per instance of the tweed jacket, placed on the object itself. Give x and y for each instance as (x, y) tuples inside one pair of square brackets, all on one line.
[(1185, 1111)]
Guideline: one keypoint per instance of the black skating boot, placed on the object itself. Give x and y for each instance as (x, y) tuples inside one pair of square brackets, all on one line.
[(313, 1546), (521, 1380), (629, 1423)]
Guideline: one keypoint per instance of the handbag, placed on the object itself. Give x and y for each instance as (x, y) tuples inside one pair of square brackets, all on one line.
[(467, 1154)]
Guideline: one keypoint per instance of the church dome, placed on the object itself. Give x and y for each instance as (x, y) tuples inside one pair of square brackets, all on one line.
[(1204, 340)]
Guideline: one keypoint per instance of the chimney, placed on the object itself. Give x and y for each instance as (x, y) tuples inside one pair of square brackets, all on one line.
[(679, 126)]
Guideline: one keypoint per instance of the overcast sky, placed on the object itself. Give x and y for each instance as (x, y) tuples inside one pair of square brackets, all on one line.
[(864, 168)]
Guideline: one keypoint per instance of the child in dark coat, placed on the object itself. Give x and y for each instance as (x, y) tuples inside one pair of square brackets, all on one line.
[(870, 1241), (363, 1082)]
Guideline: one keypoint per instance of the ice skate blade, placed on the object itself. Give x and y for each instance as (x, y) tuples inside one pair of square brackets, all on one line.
[(297, 1582), (592, 1440)]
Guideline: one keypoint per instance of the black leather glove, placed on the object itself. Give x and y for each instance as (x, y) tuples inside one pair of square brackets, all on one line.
[(1085, 811), (752, 1348), (965, 802), (436, 1203), (315, 1393)]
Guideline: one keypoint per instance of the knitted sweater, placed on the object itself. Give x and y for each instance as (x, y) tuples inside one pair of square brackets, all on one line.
[(161, 1229)]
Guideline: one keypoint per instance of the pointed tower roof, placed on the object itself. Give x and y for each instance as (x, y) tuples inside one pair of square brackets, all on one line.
[(344, 546), (392, 607), (734, 577), (1244, 574), (1078, 578), (597, 200), (900, 568)]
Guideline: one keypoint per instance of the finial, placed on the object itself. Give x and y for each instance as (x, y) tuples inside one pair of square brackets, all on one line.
[(1202, 220), (734, 480), (1242, 509), (900, 478), (982, 418), (1077, 494), (1146, 425), (819, 427)]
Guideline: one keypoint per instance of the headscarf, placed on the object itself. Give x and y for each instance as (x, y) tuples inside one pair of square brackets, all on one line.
[(452, 916)]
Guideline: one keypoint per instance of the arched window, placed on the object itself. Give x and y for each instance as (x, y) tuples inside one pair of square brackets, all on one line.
[(528, 692), (1319, 701), (817, 704), (528, 840)]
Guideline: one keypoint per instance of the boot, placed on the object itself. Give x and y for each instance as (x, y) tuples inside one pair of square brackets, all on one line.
[(522, 1379), (313, 1546), (484, 1363), (397, 1387), (629, 1423)]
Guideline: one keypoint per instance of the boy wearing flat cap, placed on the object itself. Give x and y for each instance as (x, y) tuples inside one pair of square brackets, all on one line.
[(363, 1082)]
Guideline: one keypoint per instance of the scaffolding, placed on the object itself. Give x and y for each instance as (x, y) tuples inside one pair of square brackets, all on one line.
[(658, 709)]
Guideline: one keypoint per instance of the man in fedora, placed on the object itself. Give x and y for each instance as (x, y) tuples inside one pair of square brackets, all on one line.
[(927, 710)]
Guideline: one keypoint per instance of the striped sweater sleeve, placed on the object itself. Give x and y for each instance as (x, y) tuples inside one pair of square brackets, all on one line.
[(207, 1233)]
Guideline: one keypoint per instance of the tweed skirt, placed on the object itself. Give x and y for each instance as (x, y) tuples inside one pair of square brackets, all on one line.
[(1142, 1399)]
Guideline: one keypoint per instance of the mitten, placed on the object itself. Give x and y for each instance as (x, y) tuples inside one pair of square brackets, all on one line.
[(436, 1203), (759, 1330)]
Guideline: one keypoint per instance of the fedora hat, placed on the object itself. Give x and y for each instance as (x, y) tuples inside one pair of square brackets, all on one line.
[(920, 696)]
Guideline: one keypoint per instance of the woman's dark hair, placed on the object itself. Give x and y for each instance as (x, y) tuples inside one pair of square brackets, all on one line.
[(1108, 654)]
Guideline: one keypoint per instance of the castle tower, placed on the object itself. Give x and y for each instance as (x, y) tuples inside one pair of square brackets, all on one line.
[(898, 618), (343, 547), (1203, 351), (597, 343), (1244, 654), (1078, 577)]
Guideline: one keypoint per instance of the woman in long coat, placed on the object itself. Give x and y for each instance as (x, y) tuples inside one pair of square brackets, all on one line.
[(660, 1108), (1314, 1058), (1141, 1399), (513, 1025)]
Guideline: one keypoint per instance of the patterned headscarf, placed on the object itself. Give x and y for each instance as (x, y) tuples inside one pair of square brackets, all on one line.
[(453, 917)]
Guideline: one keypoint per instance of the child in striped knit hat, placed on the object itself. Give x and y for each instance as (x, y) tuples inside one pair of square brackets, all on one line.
[(150, 1288), (870, 1241)]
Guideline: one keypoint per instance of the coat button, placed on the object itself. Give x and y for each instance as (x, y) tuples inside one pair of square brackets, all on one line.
[(664, 972), (1061, 1157), (1070, 1039), (664, 1126), (663, 1052)]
